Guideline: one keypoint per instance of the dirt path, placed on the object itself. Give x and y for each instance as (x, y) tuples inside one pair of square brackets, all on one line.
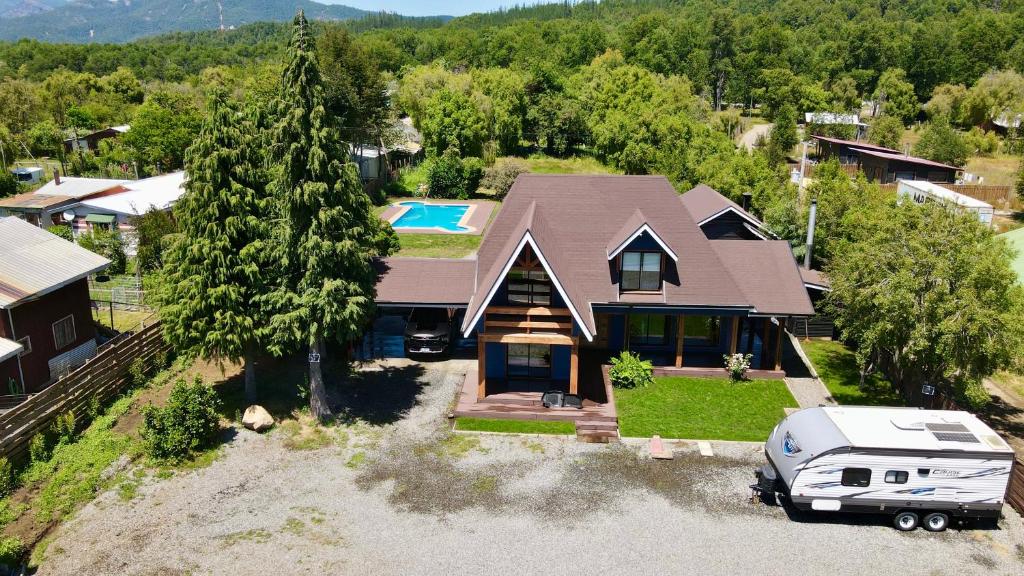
[(1006, 415), (748, 139)]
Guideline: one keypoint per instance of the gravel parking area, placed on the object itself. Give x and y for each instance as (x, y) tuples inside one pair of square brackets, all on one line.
[(409, 497)]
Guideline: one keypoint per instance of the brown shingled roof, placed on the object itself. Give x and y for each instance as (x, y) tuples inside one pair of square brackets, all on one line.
[(573, 218), (703, 202), (767, 274), (414, 281)]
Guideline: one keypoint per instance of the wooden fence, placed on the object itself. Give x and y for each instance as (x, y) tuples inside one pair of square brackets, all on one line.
[(103, 377), (1002, 197), (1015, 489)]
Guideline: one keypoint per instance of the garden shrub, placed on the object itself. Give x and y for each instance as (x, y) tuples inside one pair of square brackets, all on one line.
[(472, 173), (982, 143), (6, 477), (11, 551), (502, 175), (63, 231), (38, 448), (737, 365), (629, 371), (64, 427), (138, 372), (108, 244), (188, 423), (446, 177)]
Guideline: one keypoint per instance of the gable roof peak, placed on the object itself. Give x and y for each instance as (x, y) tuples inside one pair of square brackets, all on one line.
[(636, 225)]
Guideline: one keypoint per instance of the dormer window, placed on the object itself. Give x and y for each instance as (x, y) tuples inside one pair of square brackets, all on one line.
[(641, 271)]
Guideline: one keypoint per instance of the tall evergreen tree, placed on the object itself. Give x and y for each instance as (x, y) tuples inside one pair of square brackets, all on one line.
[(329, 235), (218, 266)]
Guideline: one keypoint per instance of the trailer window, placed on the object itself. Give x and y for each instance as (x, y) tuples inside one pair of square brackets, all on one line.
[(859, 477), (896, 477)]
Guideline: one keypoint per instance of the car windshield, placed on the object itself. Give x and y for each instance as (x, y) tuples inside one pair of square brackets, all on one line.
[(428, 318)]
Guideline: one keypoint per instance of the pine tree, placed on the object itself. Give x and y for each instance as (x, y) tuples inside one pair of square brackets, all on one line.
[(218, 267), (329, 234)]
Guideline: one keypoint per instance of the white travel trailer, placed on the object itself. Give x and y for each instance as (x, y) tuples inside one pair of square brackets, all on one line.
[(921, 191), (922, 466)]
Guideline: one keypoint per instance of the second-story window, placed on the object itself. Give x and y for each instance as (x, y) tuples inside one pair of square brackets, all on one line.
[(529, 287), (641, 271)]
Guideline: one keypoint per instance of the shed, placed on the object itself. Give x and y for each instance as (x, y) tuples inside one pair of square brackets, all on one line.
[(921, 191)]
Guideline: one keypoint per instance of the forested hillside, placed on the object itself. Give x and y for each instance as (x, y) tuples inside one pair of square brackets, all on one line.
[(122, 20)]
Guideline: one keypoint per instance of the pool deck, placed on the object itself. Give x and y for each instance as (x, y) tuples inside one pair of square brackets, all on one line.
[(475, 219)]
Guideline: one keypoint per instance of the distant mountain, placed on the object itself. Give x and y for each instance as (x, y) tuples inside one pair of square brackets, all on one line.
[(124, 20), (16, 8)]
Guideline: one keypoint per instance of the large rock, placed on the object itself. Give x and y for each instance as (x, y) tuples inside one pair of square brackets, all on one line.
[(257, 418)]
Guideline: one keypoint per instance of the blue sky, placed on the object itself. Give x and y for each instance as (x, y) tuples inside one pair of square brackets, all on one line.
[(429, 7)]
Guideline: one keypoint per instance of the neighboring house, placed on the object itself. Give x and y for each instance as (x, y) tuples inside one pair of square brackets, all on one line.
[(46, 326), (95, 203), (888, 167), (721, 218), (921, 191), (91, 141), (45, 206), (115, 211), (836, 119), (575, 268), (846, 151)]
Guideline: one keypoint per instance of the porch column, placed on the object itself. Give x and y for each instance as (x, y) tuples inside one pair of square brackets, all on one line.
[(735, 334), (680, 333), (481, 366), (574, 369), (764, 343), (778, 345)]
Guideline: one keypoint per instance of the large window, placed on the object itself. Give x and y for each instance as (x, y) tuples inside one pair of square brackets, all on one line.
[(701, 330), (859, 477), (529, 287), (648, 329), (529, 361), (63, 332), (641, 271)]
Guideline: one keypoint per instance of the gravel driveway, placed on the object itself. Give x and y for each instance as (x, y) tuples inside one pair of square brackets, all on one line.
[(407, 497)]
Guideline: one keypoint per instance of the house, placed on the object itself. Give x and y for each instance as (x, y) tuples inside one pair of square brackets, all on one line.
[(721, 218), (921, 191), (115, 211), (887, 167), (859, 128), (46, 326), (845, 150), (95, 203), (45, 206), (92, 140), (575, 268)]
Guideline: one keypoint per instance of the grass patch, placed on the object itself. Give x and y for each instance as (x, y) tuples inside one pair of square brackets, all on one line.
[(304, 434), (543, 164), (703, 408), (514, 426), (124, 320), (999, 169), (356, 460), (438, 245), (1016, 240), (258, 536), (836, 365)]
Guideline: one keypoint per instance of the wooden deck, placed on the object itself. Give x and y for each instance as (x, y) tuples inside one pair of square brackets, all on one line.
[(595, 422)]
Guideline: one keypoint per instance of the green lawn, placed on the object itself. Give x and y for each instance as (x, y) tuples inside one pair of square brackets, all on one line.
[(837, 367), (438, 245), (703, 408), (543, 164), (514, 426), (1016, 240)]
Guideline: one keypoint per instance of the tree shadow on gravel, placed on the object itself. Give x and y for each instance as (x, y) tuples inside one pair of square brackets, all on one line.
[(378, 397)]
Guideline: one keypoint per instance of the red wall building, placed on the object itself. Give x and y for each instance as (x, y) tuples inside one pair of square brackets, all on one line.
[(44, 306)]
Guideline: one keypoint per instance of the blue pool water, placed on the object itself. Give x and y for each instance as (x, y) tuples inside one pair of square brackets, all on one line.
[(422, 215)]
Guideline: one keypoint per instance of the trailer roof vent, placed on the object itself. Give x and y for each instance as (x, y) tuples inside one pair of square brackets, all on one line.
[(952, 433)]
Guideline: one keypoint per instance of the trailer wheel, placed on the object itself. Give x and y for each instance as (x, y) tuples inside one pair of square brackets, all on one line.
[(936, 522), (905, 521)]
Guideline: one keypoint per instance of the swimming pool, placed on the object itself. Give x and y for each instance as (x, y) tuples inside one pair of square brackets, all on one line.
[(432, 216)]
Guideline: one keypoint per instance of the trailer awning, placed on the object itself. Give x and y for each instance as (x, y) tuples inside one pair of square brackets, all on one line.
[(101, 218)]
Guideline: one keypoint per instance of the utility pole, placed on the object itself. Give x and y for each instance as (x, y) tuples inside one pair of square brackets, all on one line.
[(803, 163)]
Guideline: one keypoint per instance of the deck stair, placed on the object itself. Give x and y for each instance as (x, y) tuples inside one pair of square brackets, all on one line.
[(597, 430)]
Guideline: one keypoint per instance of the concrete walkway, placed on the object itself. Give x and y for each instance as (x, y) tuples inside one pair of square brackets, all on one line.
[(803, 382)]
